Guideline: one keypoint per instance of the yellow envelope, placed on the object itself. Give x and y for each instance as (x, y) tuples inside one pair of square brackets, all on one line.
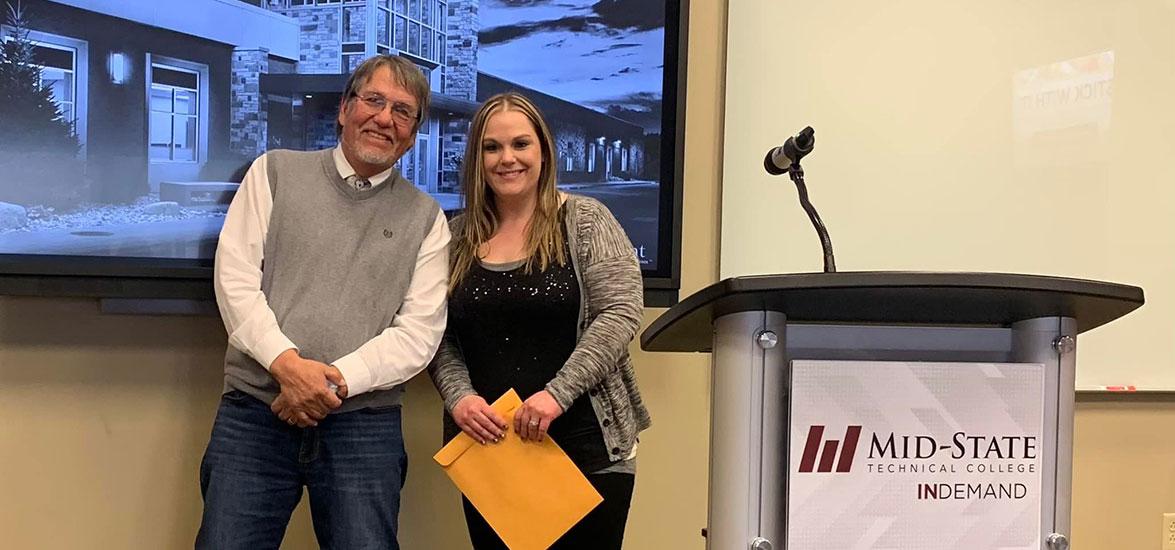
[(530, 493)]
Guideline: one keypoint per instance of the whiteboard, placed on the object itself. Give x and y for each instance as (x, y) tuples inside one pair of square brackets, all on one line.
[(1001, 136)]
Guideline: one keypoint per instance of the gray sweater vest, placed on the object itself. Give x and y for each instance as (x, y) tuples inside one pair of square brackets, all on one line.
[(337, 265)]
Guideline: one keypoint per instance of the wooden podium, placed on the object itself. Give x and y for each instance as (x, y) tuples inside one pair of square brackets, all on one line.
[(755, 326)]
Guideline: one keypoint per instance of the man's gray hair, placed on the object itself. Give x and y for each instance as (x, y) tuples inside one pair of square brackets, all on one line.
[(404, 72)]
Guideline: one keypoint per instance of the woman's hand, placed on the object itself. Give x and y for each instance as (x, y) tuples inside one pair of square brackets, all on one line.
[(475, 417), (534, 417)]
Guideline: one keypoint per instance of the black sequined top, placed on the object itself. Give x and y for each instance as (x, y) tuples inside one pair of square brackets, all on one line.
[(516, 330)]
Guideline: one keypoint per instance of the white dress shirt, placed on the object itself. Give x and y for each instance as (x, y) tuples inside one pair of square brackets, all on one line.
[(390, 358)]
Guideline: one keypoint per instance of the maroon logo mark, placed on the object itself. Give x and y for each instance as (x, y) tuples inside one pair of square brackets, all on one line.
[(828, 454)]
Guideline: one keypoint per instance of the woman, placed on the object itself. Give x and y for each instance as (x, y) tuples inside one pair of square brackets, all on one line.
[(545, 296)]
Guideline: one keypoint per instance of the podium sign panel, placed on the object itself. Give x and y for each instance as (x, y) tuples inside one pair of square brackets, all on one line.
[(915, 455)]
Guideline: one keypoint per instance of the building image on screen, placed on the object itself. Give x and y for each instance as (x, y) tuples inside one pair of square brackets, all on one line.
[(150, 111)]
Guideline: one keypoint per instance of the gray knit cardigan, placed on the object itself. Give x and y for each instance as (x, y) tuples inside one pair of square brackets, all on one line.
[(611, 302)]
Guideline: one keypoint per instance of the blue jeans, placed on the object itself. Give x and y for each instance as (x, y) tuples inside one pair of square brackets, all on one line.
[(353, 464)]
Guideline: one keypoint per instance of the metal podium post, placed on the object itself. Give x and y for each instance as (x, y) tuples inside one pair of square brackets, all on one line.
[(746, 432), (1052, 341)]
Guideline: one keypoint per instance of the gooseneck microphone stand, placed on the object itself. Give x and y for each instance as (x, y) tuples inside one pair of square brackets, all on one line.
[(797, 175)]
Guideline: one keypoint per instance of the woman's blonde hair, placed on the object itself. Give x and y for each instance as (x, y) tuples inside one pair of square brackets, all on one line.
[(544, 242)]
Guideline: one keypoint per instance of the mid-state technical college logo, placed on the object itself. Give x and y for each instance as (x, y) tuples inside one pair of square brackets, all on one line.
[(828, 450), (975, 466)]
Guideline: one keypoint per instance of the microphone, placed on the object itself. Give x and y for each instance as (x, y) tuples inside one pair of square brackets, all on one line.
[(785, 159), (780, 160)]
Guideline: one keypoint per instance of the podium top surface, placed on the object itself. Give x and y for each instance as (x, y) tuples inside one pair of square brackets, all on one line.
[(891, 298)]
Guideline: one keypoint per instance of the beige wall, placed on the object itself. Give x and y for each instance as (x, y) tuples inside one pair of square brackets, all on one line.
[(995, 136), (103, 419), (1123, 471)]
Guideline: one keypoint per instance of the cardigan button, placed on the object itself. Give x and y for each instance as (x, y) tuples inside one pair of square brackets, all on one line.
[(615, 450), (594, 392), (607, 422)]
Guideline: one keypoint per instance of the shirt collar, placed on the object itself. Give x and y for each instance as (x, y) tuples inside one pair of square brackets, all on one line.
[(346, 171)]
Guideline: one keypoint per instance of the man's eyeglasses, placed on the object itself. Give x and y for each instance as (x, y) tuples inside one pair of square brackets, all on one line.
[(402, 113)]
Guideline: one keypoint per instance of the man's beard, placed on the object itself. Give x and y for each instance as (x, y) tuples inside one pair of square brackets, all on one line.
[(375, 156)]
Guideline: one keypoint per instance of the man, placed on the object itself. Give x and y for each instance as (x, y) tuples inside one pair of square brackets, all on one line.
[(331, 276)]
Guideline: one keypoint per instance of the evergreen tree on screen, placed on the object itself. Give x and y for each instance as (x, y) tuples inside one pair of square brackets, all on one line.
[(30, 119)]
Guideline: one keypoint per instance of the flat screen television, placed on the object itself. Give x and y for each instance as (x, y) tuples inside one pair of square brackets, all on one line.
[(134, 120)]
